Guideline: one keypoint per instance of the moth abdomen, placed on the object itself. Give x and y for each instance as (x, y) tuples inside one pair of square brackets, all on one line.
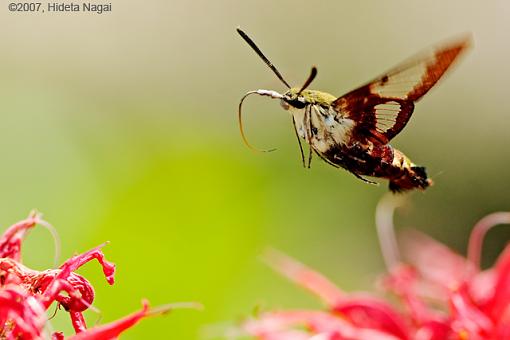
[(414, 177)]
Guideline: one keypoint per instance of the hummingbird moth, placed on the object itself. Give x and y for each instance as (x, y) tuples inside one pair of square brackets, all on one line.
[(353, 131)]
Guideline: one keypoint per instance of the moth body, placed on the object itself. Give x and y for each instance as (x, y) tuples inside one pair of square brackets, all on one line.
[(331, 135), (353, 131)]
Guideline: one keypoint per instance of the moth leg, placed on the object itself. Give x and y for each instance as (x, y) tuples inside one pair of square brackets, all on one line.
[(327, 160), (308, 123), (356, 175), (299, 142), (364, 179)]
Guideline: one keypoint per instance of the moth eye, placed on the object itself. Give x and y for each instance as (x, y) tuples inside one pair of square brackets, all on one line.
[(297, 103), (284, 104)]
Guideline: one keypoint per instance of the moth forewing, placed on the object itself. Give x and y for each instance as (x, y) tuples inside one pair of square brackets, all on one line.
[(399, 87), (414, 77)]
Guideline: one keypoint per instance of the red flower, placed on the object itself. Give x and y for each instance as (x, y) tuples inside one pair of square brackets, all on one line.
[(442, 295), (26, 294)]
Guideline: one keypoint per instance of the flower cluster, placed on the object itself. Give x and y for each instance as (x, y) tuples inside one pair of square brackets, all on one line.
[(441, 295), (26, 294)]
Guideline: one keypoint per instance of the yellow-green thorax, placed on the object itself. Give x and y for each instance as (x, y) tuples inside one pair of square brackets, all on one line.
[(310, 96)]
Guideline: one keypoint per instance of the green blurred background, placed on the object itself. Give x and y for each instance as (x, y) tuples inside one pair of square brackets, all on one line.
[(122, 127)]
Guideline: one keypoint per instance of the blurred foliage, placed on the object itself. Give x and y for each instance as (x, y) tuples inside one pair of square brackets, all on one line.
[(122, 127)]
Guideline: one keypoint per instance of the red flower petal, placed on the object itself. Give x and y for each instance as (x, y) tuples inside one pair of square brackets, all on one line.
[(65, 278), (10, 242), (372, 313), (271, 325), (305, 277), (363, 312), (21, 315), (435, 262), (25, 294), (114, 329), (467, 318), (498, 305)]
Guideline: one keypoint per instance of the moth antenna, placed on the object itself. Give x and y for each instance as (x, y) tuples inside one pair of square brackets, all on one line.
[(269, 93), (311, 77), (262, 56)]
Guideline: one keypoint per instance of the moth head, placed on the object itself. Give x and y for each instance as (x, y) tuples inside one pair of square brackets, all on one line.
[(293, 98)]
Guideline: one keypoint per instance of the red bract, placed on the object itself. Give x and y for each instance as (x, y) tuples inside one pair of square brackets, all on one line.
[(476, 301), (442, 294), (26, 294)]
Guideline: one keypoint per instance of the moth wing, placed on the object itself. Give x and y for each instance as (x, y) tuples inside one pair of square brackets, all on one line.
[(382, 108)]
